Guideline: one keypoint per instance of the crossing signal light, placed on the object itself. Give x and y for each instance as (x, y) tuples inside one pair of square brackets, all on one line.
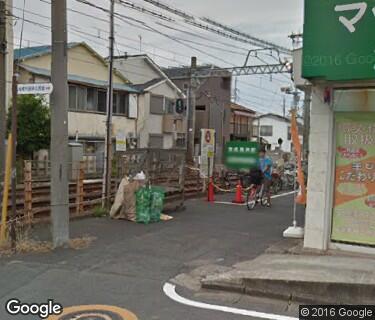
[(180, 108)]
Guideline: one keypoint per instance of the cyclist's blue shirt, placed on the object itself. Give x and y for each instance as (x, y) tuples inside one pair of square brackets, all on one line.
[(263, 164)]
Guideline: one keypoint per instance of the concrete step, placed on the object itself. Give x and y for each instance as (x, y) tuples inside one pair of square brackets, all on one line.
[(310, 279)]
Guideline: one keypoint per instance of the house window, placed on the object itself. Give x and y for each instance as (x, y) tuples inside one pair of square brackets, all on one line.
[(92, 96), (181, 140), (200, 108), (289, 133), (169, 106), (266, 131), (157, 104), (226, 83), (81, 98), (255, 131), (155, 141), (102, 101), (123, 107), (72, 97)]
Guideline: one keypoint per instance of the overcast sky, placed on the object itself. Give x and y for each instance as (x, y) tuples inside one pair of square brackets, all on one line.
[(271, 20)]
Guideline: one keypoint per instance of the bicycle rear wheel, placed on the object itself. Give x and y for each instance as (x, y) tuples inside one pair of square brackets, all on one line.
[(251, 200)]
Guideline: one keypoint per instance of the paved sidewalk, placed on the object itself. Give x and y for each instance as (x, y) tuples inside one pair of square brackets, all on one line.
[(309, 278)]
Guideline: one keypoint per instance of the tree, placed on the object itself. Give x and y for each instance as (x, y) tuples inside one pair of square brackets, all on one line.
[(34, 125)]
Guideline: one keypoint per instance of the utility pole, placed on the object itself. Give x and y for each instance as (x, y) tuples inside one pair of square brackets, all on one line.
[(192, 111), (3, 84), (108, 150), (59, 126), (12, 232)]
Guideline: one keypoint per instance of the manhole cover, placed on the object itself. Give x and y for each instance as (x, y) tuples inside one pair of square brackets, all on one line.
[(94, 312)]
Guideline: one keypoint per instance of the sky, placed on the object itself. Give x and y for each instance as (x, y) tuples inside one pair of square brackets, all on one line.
[(172, 43)]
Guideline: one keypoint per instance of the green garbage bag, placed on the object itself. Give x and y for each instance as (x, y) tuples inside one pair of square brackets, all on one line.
[(157, 203), (143, 201)]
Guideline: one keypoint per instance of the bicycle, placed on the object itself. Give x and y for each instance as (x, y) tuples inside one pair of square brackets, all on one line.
[(255, 195)]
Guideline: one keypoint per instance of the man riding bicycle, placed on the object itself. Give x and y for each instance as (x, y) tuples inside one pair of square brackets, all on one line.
[(265, 165)]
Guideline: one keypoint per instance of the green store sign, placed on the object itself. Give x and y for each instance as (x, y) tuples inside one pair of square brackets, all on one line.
[(338, 39), (241, 155)]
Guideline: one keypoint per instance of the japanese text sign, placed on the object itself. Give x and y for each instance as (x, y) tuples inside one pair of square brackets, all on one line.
[(241, 155), (354, 207), (338, 42)]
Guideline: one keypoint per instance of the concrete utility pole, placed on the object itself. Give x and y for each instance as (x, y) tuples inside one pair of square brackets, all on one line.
[(59, 126), (108, 140), (192, 111), (3, 84), (12, 232)]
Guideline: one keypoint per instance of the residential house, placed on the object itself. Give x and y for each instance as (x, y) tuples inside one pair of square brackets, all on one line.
[(88, 78), (241, 122), (160, 123), (274, 129), (212, 103)]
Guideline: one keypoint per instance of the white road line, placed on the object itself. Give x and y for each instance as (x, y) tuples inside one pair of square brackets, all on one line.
[(244, 204), (170, 291)]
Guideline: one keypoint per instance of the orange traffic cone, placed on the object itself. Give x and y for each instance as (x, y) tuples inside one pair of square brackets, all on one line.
[(239, 196), (211, 191)]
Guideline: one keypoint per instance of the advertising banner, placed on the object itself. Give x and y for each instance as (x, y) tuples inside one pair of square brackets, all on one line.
[(354, 202)]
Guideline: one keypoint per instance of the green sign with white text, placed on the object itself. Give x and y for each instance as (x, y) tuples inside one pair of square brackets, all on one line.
[(241, 155), (338, 40)]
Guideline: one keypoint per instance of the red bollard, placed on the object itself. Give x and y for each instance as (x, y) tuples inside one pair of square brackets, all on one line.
[(239, 196), (211, 191)]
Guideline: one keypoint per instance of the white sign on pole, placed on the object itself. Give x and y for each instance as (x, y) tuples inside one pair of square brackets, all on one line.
[(120, 142), (35, 88), (207, 151)]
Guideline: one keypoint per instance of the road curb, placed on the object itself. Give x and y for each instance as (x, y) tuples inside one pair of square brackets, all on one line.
[(299, 291)]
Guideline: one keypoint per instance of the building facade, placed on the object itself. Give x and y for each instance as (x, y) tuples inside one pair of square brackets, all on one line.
[(274, 128), (160, 123), (212, 104), (241, 123), (88, 78)]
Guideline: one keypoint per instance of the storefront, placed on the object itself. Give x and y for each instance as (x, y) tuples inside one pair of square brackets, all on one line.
[(353, 220), (339, 62)]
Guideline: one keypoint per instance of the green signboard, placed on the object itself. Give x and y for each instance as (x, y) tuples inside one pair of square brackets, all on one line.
[(241, 155), (354, 203), (338, 41)]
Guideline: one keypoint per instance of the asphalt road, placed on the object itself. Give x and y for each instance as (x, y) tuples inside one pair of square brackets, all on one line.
[(128, 264)]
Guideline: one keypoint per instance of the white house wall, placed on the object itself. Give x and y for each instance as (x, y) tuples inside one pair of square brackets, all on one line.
[(153, 123), (94, 125), (280, 130)]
